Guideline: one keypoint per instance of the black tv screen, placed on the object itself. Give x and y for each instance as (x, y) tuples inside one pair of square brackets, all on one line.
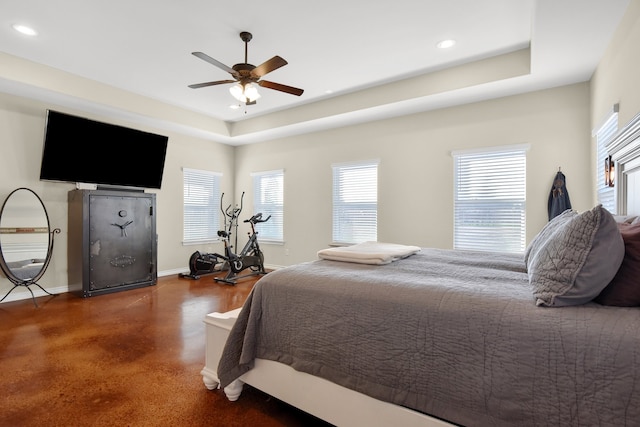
[(80, 150)]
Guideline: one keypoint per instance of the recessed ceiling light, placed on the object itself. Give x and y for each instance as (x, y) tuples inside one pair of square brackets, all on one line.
[(446, 44), (234, 106), (26, 30)]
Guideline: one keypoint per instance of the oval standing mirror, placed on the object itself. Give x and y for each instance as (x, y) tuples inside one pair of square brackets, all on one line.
[(26, 239)]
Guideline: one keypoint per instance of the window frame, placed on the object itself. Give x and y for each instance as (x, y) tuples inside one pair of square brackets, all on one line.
[(603, 134), (271, 231), (478, 199), (344, 212), (205, 187)]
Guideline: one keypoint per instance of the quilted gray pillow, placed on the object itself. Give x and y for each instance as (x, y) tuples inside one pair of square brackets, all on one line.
[(546, 232), (578, 260)]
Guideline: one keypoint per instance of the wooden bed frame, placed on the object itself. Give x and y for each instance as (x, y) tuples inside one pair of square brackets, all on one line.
[(344, 407)]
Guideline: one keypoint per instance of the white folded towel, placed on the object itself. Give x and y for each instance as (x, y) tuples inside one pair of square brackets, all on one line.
[(376, 253)]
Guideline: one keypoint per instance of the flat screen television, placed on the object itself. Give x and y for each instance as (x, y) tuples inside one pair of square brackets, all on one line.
[(80, 150)]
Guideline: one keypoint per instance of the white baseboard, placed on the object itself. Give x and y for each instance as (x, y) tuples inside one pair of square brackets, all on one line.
[(165, 273)]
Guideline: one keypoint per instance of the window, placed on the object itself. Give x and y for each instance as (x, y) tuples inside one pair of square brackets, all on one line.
[(603, 135), (490, 199), (201, 206), (268, 198), (355, 202)]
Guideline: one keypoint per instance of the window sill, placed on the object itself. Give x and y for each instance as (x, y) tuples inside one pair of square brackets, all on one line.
[(200, 242), (271, 242)]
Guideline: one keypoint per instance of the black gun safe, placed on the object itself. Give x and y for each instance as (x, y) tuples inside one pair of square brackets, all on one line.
[(112, 241)]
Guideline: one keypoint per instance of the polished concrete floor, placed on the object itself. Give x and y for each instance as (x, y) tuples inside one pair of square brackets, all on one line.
[(131, 358)]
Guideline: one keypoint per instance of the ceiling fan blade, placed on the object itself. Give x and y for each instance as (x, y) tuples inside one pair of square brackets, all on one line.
[(219, 82), (281, 87), (217, 63), (268, 66)]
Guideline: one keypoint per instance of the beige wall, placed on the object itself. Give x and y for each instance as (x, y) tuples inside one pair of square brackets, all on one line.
[(415, 204), (22, 123), (616, 78)]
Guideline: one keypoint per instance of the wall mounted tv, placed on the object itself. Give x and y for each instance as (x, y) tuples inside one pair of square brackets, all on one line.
[(80, 150)]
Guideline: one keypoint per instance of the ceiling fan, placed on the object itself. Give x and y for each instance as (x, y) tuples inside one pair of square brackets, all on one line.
[(247, 75)]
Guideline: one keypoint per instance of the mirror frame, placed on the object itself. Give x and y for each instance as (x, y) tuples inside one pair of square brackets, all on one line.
[(3, 264)]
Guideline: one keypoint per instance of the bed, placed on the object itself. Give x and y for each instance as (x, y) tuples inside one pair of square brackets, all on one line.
[(449, 337)]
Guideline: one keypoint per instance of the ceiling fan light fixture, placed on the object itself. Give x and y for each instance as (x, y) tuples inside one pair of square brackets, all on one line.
[(244, 93), (251, 92), (237, 92)]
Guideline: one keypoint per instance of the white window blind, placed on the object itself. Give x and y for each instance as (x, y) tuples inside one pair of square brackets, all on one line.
[(268, 198), (604, 134), (201, 205), (355, 202), (490, 199)]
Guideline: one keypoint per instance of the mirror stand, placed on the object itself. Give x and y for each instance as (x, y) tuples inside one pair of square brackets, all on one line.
[(29, 282), (26, 240)]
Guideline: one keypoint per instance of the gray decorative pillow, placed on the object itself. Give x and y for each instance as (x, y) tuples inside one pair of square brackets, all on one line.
[(577, 261), (546, 232)]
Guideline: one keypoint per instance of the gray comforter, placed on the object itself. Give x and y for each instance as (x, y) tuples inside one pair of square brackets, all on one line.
[(453, 334)]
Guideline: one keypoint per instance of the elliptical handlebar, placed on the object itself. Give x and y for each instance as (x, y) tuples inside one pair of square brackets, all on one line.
[(232, 212)]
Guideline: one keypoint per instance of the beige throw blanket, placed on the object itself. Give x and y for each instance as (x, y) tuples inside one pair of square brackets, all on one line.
[(376, 253)]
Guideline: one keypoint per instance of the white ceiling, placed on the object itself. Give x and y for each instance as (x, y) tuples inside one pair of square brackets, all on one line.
[(144, 46)]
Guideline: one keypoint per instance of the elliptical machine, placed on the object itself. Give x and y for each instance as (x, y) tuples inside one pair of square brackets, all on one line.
[(250, 257), (203, 264)]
